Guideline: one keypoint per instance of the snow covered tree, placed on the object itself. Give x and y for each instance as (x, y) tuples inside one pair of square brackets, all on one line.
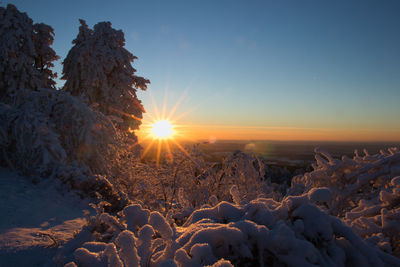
[(25, 53), (17, 52), (45, 55), (98, 67)]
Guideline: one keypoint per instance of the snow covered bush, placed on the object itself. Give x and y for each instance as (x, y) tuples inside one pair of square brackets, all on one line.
[(49, 133), (263, 232), (28, 143), (364, 193), (190, 181), (48, 128), (98, 68), (251, 176)]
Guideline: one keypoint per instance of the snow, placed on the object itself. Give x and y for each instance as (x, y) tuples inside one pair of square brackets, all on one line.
[(32, 216), (135, 216), (321, 194), (126, 242), (298, 234), (305, 227), (160, 225), (190, 212)]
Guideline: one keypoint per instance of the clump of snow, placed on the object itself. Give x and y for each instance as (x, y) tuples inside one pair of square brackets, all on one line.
[(320, 195), (135, 217), (126, 242)]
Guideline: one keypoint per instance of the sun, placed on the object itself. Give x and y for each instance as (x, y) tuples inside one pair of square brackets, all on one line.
[(162, 129)]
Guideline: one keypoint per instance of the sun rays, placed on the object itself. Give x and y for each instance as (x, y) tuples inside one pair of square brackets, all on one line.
[(162, 131)]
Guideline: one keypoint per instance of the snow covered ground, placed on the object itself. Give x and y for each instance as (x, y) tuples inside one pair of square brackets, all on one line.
[(343, 213), (34, 217)]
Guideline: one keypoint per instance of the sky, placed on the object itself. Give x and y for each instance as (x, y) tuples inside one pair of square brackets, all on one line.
[(273, 70)]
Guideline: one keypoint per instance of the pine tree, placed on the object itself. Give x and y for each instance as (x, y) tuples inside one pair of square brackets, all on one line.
[(98, 67)]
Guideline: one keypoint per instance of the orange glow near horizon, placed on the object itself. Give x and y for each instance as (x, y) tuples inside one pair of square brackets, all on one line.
[(213, 133), (163, 131)]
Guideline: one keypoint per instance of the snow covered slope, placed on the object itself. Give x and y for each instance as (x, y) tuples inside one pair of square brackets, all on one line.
[(34, 219)]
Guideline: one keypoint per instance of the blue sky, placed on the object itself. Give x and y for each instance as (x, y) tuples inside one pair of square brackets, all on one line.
[(331, 66)]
